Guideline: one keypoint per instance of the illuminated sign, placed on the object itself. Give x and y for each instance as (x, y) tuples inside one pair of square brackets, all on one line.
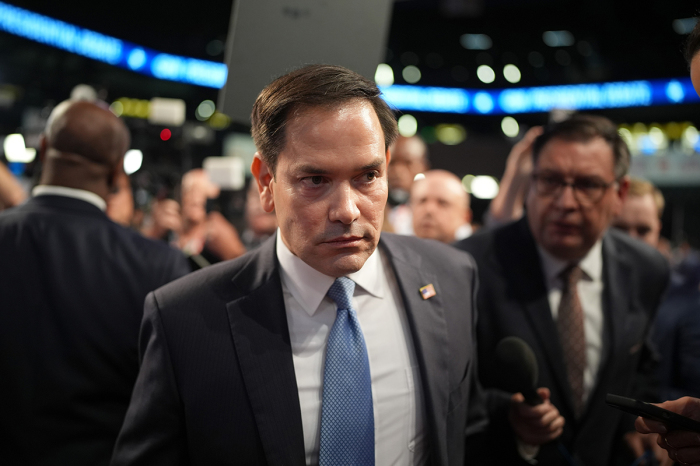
[(110, 50), (541, 99)]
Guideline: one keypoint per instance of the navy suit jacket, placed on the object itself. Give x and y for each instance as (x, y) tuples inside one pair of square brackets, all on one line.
[(217, 382), (72, 287), (513, 301)]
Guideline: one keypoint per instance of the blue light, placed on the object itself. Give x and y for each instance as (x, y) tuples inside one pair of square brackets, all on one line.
[(542, 99), (483, 102), (674, 91), (110, 50), (137, 58)]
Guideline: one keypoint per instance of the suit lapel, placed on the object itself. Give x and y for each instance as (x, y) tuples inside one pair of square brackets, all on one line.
[(517, 253), (429, 331), (261, 337)]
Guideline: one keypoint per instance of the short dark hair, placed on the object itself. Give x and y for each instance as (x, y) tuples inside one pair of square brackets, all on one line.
[(692, 44), (583, 128), (311, 86)]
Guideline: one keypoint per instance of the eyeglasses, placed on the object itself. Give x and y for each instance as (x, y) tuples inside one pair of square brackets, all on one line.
[(586, 191)]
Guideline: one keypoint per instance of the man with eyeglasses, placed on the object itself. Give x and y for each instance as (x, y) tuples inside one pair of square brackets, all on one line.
[(581, 295)]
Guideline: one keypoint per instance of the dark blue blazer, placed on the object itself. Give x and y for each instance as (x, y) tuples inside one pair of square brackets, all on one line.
[(72, 287), (512, 301), (217, 383)]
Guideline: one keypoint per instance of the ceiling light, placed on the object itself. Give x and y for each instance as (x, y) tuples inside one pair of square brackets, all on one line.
[(484, 187), (384, 76), (411, 74), (511, 73), (485, 74), (510, 127), (132, 161), (16, 151), (408, 125)]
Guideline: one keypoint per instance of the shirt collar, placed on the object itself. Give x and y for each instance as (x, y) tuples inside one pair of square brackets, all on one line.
[(591, 264), (87, 196), (309, 286)]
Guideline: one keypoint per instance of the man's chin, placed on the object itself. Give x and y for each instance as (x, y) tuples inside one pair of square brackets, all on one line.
[(341, 264)]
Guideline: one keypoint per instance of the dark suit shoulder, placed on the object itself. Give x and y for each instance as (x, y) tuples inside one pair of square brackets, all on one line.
[(224, 281), (639, 252), (434, 252)]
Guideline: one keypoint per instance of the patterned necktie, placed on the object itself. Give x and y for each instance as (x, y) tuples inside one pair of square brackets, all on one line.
[(572, 335), (347, 416)]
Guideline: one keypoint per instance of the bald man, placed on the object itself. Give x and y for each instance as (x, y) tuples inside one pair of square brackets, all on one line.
[(440, 207), (72, 287)]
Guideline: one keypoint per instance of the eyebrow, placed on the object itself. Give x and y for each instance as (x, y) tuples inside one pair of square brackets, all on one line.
[(314, 170)]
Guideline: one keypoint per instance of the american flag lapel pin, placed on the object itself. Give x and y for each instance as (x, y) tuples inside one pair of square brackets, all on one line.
[(428, 291)]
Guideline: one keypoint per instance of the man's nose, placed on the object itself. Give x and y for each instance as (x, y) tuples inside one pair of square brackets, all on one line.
[(344, 205), (566, 199)]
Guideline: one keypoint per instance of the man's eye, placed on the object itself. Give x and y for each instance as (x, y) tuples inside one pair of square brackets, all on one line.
[(551, 181), (316, 179), (588, 185)]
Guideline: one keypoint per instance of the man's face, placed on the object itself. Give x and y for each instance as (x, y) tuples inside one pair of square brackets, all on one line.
[(565, 223), (439, 208), (639, 219), (329, 189), (407, 161)]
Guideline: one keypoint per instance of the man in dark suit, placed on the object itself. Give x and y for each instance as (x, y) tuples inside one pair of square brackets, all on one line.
[(580, 295), (72, 287), (260, 361)]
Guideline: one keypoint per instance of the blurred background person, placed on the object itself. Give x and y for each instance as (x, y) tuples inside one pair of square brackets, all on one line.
[(509, 203), (120, 202), (683, 446), (440, 207), (205, 237), (73, 284), (11, 192), (409, 157), (641, 212), (676, 330), (557, 278), (164, 219), (260, 225)]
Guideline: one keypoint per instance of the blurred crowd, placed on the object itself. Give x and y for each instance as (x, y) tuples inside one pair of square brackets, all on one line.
[(569, 237)]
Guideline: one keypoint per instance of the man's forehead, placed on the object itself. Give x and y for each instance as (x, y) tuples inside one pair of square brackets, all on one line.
[(593, 156)]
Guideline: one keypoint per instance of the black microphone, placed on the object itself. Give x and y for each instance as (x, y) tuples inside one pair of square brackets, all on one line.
[(517, 369)]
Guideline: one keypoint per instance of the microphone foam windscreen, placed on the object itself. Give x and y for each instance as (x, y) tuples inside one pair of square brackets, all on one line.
[(516, 365)]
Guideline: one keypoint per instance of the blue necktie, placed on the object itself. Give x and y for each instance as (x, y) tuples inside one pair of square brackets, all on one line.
[(347, 417)]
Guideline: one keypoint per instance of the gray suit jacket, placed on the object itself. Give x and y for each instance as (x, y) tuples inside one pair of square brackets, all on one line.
[(217, 383), (513, 301)]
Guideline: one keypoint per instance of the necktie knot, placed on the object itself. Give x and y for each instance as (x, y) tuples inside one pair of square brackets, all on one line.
[(571, 276), (341, 292)]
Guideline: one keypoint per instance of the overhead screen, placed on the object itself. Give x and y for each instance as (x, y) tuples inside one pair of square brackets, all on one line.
[(268, 38)]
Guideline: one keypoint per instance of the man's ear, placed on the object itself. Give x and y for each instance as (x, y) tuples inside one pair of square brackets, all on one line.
[(114, 173), (623, 187), (264, 178)]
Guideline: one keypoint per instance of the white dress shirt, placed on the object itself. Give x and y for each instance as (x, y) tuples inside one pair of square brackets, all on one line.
[(399, 418), (87, 196), (590, 293)]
